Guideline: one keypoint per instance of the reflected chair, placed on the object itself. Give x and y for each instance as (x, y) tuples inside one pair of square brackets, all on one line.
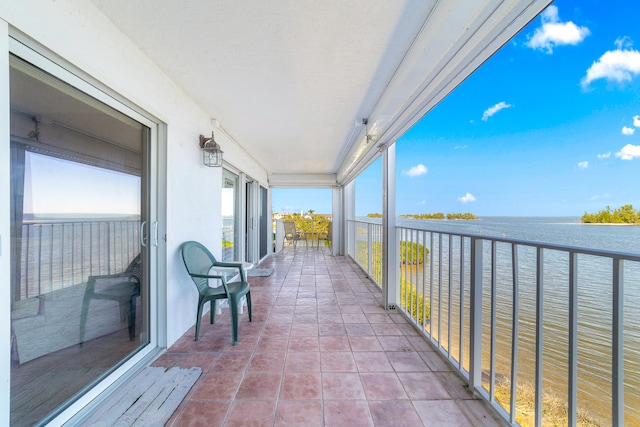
[(122, 288), (292, 235), (326, 236), (199, 263)]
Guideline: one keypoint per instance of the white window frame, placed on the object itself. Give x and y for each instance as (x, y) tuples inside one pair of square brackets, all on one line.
[(30, 52)]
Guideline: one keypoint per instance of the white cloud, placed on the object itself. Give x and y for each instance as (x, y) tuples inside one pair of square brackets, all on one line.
[(629, 152), (555, 33), (460, 147), (627, 131), (605, 155), (583, 165), (416, 171), (598, 196), (614, 65), (492, 110), (624, 42), (467, 198), (636, 121)]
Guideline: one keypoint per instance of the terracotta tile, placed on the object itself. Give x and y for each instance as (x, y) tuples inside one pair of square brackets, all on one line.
[(302, 361), (386, 329), (337, 361), (382, 386), (354, 318), (441, 413), (342, 386), (351, 413), (217, 386), (331, 329), (423, 385), (203, 361), (407, 361), (267, 362), (268, 343), (395, 343), (372, 361), (351, 309), (303, 344), (378, 318), (168, 360), (202, 413), (259, 386), (231, 362), (306, 413), (358, 329), (365, 344), (394, 413), (335, 343), (301, 386), (255, 413), (276, 329), (304, 330)]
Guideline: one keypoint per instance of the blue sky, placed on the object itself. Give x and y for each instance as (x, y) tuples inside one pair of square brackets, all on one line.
[(550, 125)]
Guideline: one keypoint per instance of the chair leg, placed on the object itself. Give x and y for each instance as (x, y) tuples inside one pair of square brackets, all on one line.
[(212, 311), (198, 318), (233, 310), (83, 317), (132, 318), (249, 304)]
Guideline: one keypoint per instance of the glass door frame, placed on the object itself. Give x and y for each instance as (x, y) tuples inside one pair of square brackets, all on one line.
[(155, 208)]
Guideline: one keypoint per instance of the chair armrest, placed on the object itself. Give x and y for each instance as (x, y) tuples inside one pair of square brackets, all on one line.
[(237, 265)]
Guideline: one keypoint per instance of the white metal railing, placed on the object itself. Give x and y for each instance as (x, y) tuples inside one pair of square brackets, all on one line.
[(59, 254), (517, 317)]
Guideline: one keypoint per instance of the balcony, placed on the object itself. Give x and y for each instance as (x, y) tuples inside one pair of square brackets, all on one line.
[(321, 350)]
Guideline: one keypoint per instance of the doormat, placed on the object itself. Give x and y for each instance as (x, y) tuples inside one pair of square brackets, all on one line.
[(147, 399), (260, 272)]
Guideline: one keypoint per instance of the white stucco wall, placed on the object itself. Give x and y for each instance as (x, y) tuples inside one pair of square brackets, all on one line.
[(77, 32)]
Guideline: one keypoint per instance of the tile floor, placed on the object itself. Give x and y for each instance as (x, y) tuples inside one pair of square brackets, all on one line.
[(320, 351)]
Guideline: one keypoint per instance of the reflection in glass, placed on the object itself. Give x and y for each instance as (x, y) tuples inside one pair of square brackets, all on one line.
[(79, 293), (230, 217)]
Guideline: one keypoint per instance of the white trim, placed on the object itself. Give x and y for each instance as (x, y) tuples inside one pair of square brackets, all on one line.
[(5, 231)]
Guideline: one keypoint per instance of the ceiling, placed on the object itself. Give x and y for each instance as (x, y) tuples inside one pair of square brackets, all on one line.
[(292, 80)]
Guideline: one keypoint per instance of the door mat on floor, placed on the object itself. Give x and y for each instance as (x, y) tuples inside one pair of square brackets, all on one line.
[(147, 399), (260, 272)]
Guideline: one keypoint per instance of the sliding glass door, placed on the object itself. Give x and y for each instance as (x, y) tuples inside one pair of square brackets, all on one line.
[(80, 295)]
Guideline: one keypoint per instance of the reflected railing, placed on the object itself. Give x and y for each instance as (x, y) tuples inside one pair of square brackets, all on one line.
[(548, 334), (60, 254)]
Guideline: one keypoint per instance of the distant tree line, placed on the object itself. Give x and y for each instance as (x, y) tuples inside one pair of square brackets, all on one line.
[(622, 215), (440, 215), (437, 215)]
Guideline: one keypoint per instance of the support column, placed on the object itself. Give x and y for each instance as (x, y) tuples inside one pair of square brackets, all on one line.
[(390, 260), (337, 220), (347, 246)]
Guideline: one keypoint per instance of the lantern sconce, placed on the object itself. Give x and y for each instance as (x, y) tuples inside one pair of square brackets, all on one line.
[(211, 152)]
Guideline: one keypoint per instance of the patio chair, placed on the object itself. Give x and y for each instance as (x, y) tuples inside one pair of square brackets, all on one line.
[(122, 288), (199, 263), (326, 236), (292, 235)]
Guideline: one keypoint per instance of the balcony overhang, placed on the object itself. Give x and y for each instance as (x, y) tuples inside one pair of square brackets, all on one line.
[(292, 82), (302, 180)]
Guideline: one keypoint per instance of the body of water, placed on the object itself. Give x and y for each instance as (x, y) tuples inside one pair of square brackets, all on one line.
[(594, 304)]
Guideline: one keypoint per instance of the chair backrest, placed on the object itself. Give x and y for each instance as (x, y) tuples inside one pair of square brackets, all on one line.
[(135, 267), (289, 230), (198, 260)]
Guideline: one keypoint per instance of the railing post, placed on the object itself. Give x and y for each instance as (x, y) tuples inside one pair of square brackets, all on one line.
[(475, 342), (617, 362), (390, 245)]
